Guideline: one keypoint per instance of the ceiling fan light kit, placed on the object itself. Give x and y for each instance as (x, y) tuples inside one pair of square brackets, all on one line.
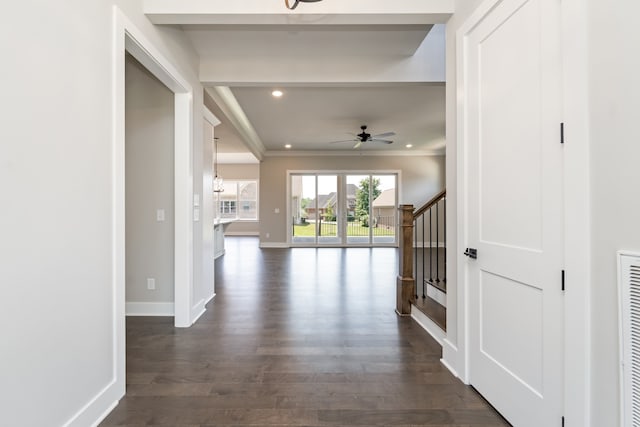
[(292, 4)]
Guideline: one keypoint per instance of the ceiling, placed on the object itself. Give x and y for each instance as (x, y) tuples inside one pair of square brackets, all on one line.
[(309, 118), (335, 78)]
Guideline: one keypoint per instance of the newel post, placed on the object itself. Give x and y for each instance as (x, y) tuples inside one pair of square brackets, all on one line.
[(406, 282)]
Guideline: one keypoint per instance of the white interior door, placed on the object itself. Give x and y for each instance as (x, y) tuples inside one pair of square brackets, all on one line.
[(514, 208)]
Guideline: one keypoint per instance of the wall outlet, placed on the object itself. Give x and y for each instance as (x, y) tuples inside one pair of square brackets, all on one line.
[(151, 284), (160, 215), (276, 210)]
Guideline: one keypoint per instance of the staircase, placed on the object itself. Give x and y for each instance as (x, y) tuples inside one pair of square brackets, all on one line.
[(422, 274)]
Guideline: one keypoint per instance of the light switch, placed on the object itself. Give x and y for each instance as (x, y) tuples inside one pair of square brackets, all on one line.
[(160, 215), (196, 200), (276, 210), (196, 214)]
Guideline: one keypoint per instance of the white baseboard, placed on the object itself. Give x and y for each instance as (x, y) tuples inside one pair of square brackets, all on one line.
[(97, 409), (149, 309), (210, 298), (449, 358), (199, 310), (437, 295), (274, 245), (242, 233), (449, 367), (428, 325)]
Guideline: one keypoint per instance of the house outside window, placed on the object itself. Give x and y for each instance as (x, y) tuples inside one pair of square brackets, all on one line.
[(239, 200)]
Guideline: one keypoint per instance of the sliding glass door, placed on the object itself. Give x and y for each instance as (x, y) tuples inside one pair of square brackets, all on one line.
[(343, 209)]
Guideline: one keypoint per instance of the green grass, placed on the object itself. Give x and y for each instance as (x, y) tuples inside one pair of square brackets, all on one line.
[(353, 229)]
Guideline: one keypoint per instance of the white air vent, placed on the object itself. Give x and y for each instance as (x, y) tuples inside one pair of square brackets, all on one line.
[(629, 290)]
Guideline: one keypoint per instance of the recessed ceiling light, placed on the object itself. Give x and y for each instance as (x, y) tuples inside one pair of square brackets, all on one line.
[(277, 93), (409, 145), (287, 146)]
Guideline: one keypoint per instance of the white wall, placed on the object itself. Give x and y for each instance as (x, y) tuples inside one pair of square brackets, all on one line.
[(614, 92), (422, 178), (149, 187), (56, 220)]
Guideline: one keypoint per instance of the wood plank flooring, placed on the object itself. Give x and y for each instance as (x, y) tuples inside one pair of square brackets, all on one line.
[(300, 337)]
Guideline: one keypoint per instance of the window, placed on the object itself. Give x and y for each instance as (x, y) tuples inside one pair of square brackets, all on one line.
[(239, 200), (228, 208)]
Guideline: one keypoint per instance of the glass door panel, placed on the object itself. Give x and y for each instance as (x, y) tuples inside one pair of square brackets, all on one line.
[(357, 207), (303, 209), (384, 204), (327, 217)]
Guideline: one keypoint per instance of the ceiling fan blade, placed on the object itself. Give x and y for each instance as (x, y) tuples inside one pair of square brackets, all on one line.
[(384, 141), (358, 144), (346, 140), (383, 135)]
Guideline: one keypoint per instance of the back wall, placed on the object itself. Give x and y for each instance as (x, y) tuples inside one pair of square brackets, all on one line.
[(421, 178)]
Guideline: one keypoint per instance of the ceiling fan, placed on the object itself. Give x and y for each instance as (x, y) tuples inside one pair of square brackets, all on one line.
[(367, 137), (292, 4)]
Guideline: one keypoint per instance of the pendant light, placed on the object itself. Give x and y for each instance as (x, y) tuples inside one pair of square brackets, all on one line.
[(292, 4), (218, 182)]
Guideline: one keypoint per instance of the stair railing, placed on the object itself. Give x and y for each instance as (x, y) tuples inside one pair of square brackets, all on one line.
[(423, 252)]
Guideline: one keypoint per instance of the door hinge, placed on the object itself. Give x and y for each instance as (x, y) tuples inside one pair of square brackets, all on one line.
[(563, 287), (562, 133)]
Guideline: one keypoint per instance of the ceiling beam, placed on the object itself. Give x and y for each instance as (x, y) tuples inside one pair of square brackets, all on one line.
[(274, 12), (426, 66), (228, 104)]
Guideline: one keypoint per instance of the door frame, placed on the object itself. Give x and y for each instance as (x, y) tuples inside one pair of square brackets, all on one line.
[(128, 38), (577, 235)]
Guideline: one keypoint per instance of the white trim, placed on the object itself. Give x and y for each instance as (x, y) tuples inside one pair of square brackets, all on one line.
[(578, 236), (88, 414), (457, 356), (183, 183), (148, 55), (228, 104), (352, 13), (428, 325), (242, 233), (209, 117), (134, 309), (447, 349), (436, 294), (198, 310), (208, 300), (274, 245)]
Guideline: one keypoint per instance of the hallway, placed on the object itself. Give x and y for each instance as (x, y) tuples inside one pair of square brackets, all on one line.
[(300, 337)]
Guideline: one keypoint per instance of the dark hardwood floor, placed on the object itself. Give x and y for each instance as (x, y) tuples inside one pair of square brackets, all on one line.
[(300, 337)]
